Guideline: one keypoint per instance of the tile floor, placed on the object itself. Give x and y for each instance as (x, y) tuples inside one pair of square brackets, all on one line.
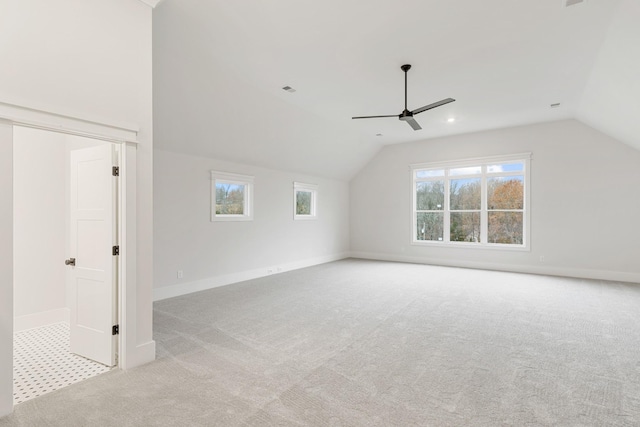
[(42, 362)]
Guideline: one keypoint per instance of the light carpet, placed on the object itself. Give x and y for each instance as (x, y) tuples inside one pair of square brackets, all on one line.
[(366, 343)]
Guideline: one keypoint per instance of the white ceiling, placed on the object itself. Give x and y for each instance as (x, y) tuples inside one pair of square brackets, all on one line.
[(219, 67)]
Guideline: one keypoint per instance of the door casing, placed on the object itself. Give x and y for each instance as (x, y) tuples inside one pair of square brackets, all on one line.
[(130, 352)]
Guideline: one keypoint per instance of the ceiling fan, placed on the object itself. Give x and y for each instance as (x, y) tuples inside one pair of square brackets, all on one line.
[(406, 115)]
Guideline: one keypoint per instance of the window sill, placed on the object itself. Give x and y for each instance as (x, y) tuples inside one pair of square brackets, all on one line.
[(231, 218), (464, 245)]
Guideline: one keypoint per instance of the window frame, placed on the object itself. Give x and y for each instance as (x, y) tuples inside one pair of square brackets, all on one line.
[(237, 179), (484, 175), (309, 188)]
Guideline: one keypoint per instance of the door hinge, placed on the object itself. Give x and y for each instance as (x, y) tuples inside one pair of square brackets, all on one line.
[(115, 171), (115, 329), (116, 250)]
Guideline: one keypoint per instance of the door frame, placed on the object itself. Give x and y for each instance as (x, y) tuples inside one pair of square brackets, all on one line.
[(62, 122)]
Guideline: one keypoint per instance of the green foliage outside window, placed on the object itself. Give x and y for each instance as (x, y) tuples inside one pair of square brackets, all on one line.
[(229, 199), (467, 208), (303, 202)]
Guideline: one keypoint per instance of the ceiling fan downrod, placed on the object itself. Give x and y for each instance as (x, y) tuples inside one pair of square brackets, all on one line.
[(405, 68)]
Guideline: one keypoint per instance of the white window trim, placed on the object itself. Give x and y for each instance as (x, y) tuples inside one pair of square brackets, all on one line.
[(311, 188), (232, 178), (478, 161)]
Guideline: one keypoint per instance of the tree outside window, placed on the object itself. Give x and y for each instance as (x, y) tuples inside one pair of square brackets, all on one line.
[(476, 202), (304, 201), (231, 197)]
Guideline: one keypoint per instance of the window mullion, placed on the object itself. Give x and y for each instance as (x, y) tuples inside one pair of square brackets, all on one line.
[(446, 228), (467, 175), (484, 215), (414, 210)]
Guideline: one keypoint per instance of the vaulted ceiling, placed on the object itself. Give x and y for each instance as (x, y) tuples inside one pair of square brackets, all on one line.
[(219, 69)]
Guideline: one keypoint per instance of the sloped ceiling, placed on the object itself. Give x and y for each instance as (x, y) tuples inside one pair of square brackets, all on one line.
[(219, 69), (611, 99)]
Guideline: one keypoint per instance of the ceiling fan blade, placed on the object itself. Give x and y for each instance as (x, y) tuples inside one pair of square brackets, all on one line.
[(412, 122), (434, 105), (374, 117)]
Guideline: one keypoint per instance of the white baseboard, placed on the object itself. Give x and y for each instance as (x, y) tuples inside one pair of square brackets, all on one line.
[(583, 273), (227, 279), (143, 354), (6, 400), (37, 320)]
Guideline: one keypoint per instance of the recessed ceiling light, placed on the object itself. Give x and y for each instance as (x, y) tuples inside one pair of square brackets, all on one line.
[(289, 89), (556, 105), (451, 119)]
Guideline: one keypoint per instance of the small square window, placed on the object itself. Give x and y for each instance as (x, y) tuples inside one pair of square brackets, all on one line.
[(304, 200), (231, 197)]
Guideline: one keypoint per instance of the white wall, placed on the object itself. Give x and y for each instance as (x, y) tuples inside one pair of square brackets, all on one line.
[(6, 268), (40, 211), (610, 100), (217, 253), (41, 224), (584, 202), (89, 59)]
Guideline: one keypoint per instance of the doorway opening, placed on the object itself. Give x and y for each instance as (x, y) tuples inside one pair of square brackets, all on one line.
[(66, 197)]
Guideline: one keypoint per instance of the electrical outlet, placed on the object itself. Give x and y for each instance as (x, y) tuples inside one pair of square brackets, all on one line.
[(279, 269), (269, 270), (180, 274)]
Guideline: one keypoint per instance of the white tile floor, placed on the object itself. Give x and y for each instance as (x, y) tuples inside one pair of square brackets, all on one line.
[(42, 362)]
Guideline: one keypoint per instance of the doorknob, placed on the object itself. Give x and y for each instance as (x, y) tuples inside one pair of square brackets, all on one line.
[(70, 261)]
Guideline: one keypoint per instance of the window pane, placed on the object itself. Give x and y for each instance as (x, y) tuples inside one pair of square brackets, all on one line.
[(507, 167), (430, 226), (229, 199), (472, 170), (430, 196), (303, 202), (505, 227), (505, 192), (465, 227), (429, 173), (465, 194)]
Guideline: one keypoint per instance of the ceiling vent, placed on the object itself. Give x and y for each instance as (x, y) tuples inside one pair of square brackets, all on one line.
[(568, 3)]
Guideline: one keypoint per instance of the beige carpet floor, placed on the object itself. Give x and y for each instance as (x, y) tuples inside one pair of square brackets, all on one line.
[(365, 343)]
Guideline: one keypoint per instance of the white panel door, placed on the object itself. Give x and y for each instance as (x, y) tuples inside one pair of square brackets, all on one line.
[(93, 233)]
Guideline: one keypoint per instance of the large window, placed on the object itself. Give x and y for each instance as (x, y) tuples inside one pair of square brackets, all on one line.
[(231, 197), (475, 202)]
